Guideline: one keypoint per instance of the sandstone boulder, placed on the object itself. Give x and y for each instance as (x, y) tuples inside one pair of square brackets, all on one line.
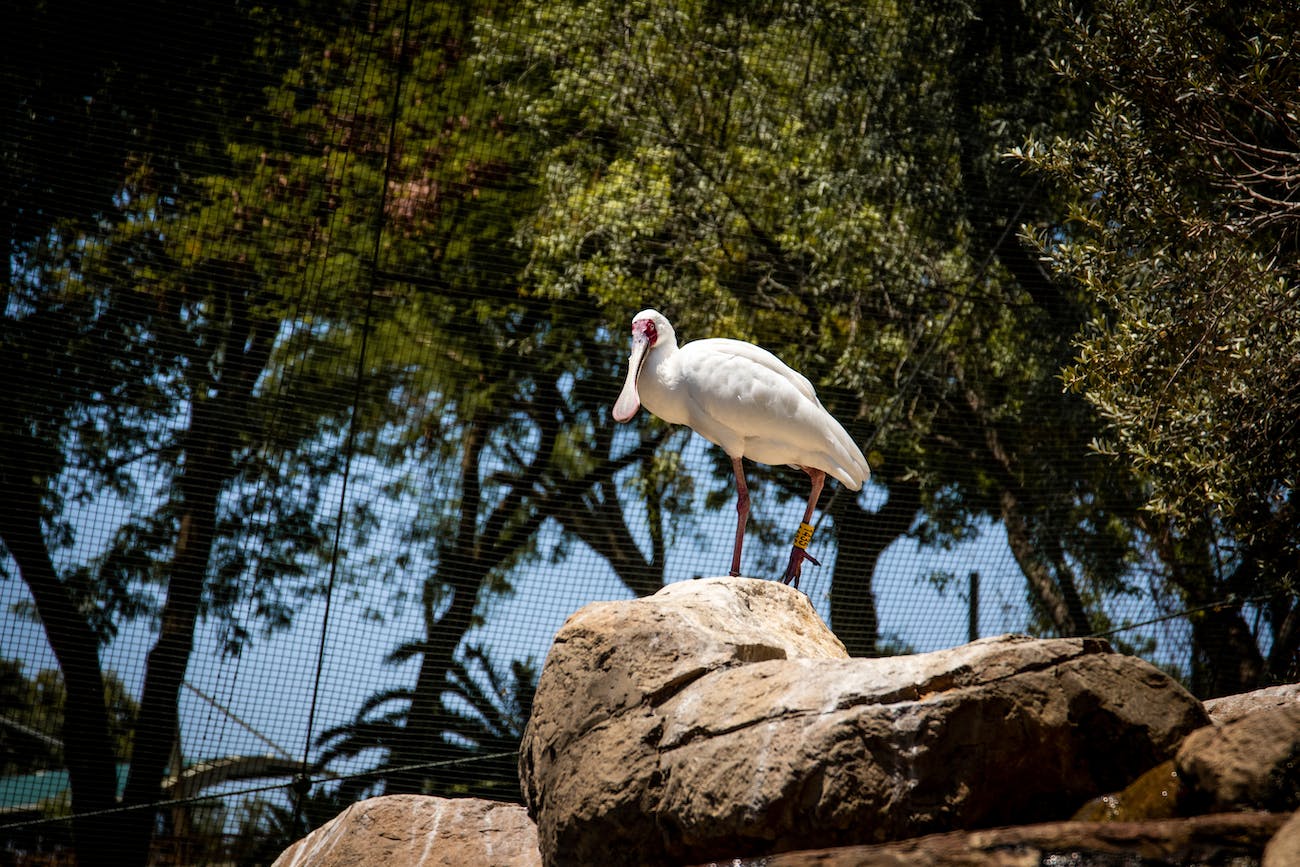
[(1284, 849), (720, 718), (420, 831), (1252, 762), (1231, 707), (1228, 839)]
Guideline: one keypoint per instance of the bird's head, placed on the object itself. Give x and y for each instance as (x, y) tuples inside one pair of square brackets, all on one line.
[(652, 328), (649, 330)]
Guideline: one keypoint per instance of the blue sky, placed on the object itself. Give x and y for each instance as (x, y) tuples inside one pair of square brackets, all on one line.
[(270, 685)]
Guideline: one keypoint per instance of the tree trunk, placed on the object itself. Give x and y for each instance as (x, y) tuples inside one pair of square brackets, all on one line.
[(1036, 549), (421, 740), (463, 567), (207, 471), (862, 537), (215, 422), (87, 745), (165, 670), (1226, 660), (1055, 591), (1284, 657), (1225, 656)]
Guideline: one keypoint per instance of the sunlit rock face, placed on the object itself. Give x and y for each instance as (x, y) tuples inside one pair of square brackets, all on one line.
[(420, 831), (722, 718), (721, 721)]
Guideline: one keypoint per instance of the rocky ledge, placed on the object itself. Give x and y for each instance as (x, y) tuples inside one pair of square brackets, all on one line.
[(721, 719)]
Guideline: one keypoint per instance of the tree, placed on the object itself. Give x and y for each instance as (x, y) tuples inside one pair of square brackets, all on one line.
[(144, 322), (825, 180), (235, 324), (505, 411), (78, 356), (1183, 228), (196, 344), (482, 718)]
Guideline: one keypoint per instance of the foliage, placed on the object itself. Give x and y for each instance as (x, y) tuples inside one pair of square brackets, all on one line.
[(313, 284), (1183, 227), (384, 256), (492, 426), (32, 710), (823, 178), (484, 712), (167, 348)]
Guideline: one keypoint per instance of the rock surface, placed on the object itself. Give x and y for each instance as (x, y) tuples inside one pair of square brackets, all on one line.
[(720, 718), (1249, 762), (1231, 839), (420, 831), (1230, 707), (1284, 849), (1157, 794), (1252, 762)]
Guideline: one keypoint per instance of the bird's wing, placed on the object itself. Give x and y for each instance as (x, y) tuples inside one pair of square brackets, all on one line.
[(726, 347), (743, 398)]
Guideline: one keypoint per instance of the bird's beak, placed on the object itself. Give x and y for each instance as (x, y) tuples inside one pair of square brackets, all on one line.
[(628, 400)]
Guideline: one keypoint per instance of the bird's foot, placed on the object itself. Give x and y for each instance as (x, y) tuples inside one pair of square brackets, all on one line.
[(795, 566)]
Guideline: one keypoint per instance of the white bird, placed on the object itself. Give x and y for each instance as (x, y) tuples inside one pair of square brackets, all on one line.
[(746, 400)]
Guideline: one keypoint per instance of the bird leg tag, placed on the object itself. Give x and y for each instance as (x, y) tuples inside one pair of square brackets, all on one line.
[(803, 536)]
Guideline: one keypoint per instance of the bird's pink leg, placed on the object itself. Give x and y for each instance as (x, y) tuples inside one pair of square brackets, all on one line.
[(797, 554), (742, 514)]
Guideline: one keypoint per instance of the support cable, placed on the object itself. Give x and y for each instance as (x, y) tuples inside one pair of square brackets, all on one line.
[(349, 446)]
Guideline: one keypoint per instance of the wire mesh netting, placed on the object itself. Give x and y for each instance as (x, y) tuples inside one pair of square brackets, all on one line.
[(314, 316)]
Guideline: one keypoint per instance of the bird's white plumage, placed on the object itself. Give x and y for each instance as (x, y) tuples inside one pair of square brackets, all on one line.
[(744, 399), (739, 396)]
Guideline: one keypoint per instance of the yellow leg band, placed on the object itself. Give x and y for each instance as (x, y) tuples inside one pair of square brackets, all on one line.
[(803, 536)]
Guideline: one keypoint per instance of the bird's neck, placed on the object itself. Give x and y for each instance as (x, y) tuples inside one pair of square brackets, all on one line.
[(659, 384)]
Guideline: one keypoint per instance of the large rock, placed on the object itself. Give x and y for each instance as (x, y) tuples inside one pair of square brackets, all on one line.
[(1252, 762), (1284, 849), (1236, 764), (420, 831), (720, 718), (1231, 707), (1228, 839)]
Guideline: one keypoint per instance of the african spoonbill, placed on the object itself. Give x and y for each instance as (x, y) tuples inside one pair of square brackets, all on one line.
[(743, 398)]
